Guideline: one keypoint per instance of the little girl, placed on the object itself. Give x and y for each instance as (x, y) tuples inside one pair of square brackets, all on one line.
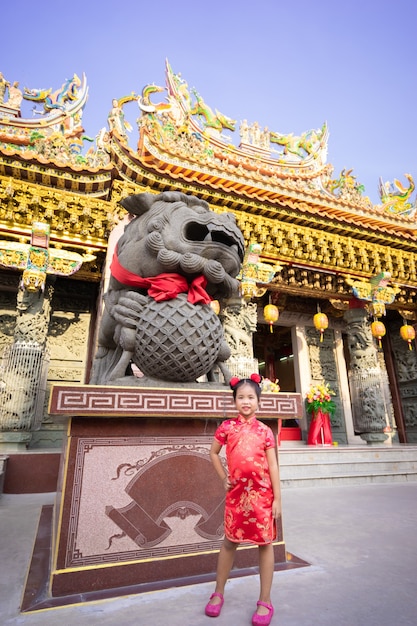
[(252, 494)]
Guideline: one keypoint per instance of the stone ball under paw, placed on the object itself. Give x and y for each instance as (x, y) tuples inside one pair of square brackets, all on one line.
[(177, 341)]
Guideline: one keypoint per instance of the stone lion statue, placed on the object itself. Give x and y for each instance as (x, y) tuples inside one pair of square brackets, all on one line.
[(173, 258)]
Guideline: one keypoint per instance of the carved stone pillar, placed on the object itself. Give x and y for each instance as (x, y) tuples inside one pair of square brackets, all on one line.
[(239, 320), (23, 371), (368, 382)]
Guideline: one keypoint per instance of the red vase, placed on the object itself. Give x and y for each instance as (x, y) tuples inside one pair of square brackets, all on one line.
[(320, 432)]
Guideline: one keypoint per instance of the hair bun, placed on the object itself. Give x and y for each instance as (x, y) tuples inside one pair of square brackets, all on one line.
[(235, 380)]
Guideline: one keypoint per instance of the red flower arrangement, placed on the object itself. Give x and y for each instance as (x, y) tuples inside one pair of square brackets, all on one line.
[(319, 397)]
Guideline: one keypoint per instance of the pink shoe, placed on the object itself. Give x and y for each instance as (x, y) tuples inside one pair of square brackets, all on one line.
[(214, 610), (263, 620)]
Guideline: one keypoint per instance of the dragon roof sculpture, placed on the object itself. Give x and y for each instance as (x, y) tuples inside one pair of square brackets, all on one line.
[(396, 198), (59, 105), (55, 132)]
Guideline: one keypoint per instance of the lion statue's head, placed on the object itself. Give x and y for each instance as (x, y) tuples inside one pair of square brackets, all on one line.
[(174, 232)]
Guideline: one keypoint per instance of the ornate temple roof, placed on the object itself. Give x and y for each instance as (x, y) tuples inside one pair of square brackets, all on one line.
[(182, 138), (280, 187), (47, 149)]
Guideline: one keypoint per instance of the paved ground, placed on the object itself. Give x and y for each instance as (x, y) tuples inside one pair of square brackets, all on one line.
[(361, 542)]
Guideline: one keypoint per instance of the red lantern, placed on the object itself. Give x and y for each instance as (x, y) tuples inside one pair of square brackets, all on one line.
[(271, 315), (408, 334), (320, 322), (378, 331)]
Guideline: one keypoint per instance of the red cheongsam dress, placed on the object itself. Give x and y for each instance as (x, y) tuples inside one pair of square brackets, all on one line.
[(248, 509)]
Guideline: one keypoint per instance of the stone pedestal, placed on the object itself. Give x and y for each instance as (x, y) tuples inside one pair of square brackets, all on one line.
[(141, 506)]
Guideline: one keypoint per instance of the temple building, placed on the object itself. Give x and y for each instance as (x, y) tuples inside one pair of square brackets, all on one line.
[(328, 284)]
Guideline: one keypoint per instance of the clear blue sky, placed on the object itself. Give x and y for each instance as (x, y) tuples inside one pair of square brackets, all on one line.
[(288, 65)]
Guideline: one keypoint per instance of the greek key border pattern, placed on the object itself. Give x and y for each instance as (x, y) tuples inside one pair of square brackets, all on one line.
[(88, 401)]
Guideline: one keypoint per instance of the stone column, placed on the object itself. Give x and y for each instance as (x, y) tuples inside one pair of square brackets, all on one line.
[(368, 384), (23, 374), (239, 321)]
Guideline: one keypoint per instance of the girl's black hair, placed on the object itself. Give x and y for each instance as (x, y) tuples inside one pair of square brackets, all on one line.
[(246, 381)]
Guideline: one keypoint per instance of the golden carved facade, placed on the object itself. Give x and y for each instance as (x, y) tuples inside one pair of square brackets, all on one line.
[(85, 223), (76, 220)]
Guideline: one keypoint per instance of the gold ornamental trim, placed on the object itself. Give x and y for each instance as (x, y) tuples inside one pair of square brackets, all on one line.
[(74, 219)]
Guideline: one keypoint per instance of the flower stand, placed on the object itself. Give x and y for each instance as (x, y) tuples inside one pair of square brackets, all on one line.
[(320, 432)]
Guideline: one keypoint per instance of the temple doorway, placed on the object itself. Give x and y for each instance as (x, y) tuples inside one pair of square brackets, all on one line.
[(275, 355)]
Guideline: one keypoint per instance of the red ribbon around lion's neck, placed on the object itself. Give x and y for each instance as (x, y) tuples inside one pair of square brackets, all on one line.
[(164, 286)]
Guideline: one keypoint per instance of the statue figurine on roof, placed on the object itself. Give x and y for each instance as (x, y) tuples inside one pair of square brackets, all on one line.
[(116, 119), (4, 84), (174, 258), (15, 96)]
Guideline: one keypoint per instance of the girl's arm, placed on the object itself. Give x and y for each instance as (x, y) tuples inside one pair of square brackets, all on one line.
[(271, 457), (218, 465)]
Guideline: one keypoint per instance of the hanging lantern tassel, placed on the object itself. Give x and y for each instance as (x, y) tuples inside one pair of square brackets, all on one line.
[(271, 315), (320, 323), (378, 331), (408, 334)]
